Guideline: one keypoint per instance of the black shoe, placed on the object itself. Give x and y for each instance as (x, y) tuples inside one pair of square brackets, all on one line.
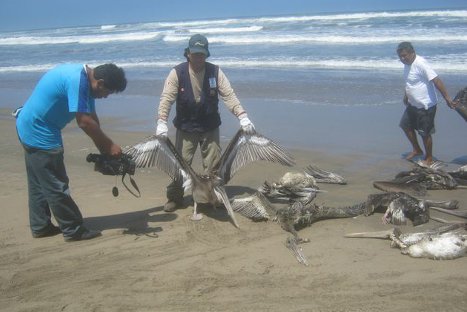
[(83, 234), (171, 206), (52, 230)]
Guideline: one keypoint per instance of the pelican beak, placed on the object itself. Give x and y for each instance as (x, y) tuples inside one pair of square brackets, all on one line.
[(378, 234)]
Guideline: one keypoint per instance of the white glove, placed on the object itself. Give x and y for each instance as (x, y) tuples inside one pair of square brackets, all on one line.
[(162, 128), (246, 124)]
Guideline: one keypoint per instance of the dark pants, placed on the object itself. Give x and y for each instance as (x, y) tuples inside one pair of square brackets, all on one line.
[(49, 192)]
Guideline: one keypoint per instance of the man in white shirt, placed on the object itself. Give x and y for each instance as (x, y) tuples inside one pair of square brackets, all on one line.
[(420, 100)]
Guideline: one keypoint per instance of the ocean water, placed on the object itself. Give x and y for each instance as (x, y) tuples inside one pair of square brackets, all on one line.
[(342, 41), (321, 81)]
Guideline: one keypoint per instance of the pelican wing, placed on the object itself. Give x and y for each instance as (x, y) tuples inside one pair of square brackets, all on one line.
[(246, 148), (159, 152), (254, 207), (323, 176)]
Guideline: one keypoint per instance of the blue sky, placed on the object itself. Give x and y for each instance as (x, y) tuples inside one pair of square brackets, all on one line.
[(36, 14)]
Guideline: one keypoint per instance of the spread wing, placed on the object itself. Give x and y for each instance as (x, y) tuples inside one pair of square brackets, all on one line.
[(246, 148), (159, 152)]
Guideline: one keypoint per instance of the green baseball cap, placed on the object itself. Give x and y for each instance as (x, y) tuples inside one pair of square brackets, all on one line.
[(198, 44)]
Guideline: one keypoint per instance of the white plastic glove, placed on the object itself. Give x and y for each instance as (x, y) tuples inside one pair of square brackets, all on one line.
[(162, 128), (246, 124)]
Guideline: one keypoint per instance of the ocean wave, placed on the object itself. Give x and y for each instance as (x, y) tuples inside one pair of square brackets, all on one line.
[(235, 39), (328, 17), (108, 27), (324, 39), (351, 28), (455, 64), (362, 16), (225, 29), (87, 39)]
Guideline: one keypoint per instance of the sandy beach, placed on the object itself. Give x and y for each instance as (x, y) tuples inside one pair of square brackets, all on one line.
[(149, 260), (327, 87)]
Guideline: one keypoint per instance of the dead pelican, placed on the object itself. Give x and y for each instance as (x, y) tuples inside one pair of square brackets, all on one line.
[(243, 149), (300, 186), (293, 186), (292, 217), (398, 207), (418, 180), (460, 175), (441, 243)]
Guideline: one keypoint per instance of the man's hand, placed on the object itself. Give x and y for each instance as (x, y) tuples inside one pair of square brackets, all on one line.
[(453, 104), (162, 128), (115, 150), (246, 124)]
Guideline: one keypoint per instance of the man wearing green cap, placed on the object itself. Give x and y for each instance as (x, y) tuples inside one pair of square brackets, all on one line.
[(196, 86)]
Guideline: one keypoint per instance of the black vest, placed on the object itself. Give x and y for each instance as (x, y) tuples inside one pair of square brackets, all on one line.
[(197, 117)]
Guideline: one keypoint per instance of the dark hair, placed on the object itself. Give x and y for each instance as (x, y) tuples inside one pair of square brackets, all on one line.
[(113, 76), (185, 54), (407, 46)]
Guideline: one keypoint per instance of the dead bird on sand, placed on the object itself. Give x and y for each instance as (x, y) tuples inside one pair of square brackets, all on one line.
[(300, 186), (292, 217), (399, 207), (418, 180), (243, 149), (460, 175), (441, 243)]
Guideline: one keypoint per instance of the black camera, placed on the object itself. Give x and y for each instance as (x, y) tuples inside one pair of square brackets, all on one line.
[(108, 165)]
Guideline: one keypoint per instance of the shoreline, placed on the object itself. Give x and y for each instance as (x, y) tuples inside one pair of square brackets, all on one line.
[(299, 110)]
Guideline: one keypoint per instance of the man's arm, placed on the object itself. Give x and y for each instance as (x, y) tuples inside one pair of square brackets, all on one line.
[(442, 89), (89, 123), (406, 99), (168, 96), (228, 95)]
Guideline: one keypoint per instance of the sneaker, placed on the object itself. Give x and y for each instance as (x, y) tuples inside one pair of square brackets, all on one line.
[(83, 234), (171, 206), (51, 231)]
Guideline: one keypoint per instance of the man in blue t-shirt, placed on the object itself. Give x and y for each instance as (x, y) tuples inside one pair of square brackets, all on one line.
[(64, 93)]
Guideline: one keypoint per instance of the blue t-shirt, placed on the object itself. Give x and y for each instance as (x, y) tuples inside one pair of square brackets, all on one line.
[(59, 95)]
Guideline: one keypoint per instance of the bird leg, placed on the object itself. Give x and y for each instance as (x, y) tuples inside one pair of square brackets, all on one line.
[(396, 242), (292, 244), (196, 216)]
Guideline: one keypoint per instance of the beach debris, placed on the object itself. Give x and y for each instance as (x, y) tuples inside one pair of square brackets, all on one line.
[(244, 148), (445, 242)]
